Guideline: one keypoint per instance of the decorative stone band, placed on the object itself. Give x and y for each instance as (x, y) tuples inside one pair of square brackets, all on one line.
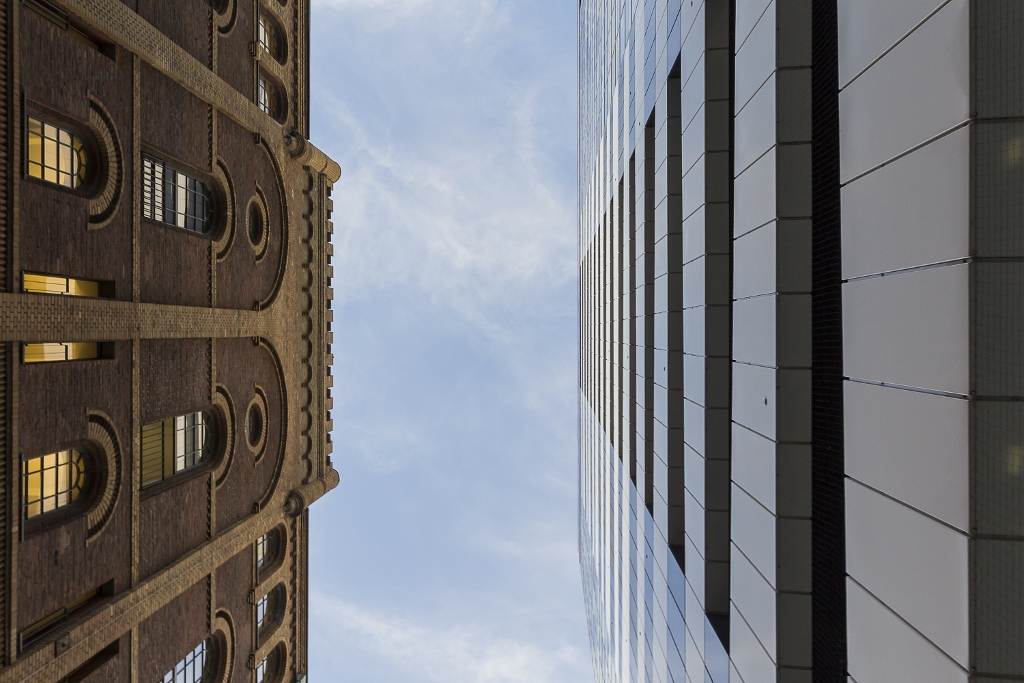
[(44, 317), (127, 610), (302, 497), (307, 154), (127, 28)]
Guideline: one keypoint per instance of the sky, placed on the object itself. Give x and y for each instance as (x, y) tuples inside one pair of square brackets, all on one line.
[(448, 552)]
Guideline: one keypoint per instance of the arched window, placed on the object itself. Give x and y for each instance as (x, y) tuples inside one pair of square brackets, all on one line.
[(261, 611), (268, 37), (175, 198), (175, 445), (193, 667), (268, 97), (52, 481), (266, 670), (266, 550), (269, 612), (55, 155)]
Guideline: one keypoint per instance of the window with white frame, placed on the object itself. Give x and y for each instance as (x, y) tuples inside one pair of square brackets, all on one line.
[(175, 198)]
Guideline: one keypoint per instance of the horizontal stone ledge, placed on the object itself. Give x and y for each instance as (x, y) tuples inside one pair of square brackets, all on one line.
[(48, 317)]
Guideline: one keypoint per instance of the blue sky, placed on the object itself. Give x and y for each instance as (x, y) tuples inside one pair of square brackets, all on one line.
[(448, 551)]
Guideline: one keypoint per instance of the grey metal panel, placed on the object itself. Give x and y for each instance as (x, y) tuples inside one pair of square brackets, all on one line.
[(747, 653), (694, 293), (755, 195), (695, 522), (755, 59), (754, 260), (755, 126), (914, 93), (867, 28), (754, 330), (912, 563), (912, 212), (910, 329), (754, 597), (693, 330), (754, 398), (912, 446), (883, 649), (753, 532), (753, 465), (694, 234), (693, 379), (748, 12), (694, 469)]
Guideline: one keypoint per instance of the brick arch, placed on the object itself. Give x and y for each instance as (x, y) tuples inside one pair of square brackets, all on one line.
[(106, 446), (226, 237), (223, 402), (104, 206), (283, 439), (224, 639), (282, 259), (225, 16)]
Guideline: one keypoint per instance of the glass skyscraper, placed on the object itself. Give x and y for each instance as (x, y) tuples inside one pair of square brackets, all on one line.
[(801, 427)]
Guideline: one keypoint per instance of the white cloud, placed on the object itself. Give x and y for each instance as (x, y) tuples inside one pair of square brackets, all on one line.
[(467, 17), (436, 652)]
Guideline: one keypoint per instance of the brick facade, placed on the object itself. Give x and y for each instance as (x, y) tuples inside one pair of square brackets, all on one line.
[(191, 322)]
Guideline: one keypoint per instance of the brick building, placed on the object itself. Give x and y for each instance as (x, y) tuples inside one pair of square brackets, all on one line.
[(165, 367)]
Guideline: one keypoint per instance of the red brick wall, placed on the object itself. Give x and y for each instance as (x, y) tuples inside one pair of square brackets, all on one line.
[(240, 365), (240, 280), (173, 631), (175, 377), (234, 61), (60, 72), (234, 579), (186, 22), (54, 398)]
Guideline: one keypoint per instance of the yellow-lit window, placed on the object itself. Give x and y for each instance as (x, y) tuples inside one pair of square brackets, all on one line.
[(52, 481), (55, 155), (49, 352), (55, 284), (174, 445)]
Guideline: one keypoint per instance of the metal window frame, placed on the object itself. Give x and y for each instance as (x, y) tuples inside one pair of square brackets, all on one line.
[(175, 198), (38, 127), (61, 497)]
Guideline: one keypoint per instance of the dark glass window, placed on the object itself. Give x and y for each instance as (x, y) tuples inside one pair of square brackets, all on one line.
[(175, 198), (191, 668), (175, 445)]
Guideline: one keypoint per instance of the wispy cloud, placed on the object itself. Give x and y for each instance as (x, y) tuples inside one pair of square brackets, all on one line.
[(454, 412), (445, 653), (448, 189), (467, 18)]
